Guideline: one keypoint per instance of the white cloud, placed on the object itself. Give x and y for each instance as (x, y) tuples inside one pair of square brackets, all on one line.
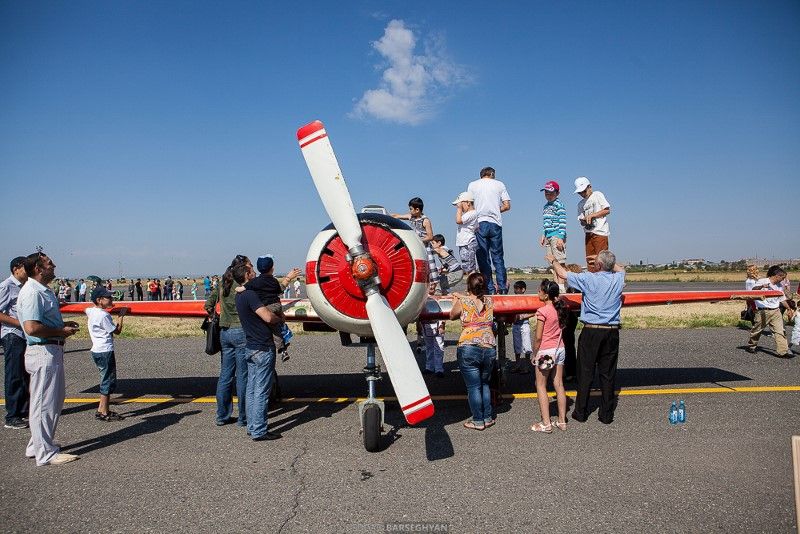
[(411, 85)]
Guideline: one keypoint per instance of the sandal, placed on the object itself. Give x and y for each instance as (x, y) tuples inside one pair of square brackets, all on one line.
[(110, 416), (561, 426), (473, 426), (490, 423), (541, 427)]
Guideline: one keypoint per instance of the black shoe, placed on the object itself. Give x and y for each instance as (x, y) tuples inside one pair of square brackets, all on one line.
[(787, 355), (227, 421), (607, 421), (269, 436), (16, 423), (284, 356), (578, 419), (439, 374)]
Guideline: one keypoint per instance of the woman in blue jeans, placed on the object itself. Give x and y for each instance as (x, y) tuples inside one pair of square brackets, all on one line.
[(476, 348), (232, 340)]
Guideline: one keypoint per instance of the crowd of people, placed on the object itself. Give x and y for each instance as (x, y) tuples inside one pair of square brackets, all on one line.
[(253, 330)]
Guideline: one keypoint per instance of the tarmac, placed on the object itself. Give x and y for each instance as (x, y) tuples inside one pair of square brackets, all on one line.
[(168, 467)]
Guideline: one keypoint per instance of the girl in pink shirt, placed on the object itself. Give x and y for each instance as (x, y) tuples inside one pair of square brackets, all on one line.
[(549, 349)]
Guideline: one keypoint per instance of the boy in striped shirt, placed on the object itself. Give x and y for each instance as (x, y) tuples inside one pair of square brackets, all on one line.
[(554, 227)]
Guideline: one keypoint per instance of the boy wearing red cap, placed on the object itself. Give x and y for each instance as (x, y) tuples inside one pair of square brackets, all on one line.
[(554, 227)]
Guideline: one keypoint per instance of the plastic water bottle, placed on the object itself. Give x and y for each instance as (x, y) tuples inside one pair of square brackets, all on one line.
[(681, 412), (673, 414)]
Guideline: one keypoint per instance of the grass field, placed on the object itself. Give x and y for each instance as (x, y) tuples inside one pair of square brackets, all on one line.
[(695, 315)]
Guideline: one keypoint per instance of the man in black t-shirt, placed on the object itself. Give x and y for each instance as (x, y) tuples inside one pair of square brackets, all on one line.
[(255, 319)]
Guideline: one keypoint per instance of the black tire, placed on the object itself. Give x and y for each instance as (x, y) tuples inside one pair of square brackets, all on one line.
[(372, 428)]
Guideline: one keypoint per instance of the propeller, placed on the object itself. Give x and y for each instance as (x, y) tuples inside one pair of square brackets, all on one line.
[(412, 393)]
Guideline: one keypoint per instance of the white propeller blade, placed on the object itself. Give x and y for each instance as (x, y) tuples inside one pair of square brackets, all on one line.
[(412, 393), (328, 179)]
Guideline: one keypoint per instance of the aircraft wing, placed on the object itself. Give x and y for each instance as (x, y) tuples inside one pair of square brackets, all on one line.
[(300, 310)]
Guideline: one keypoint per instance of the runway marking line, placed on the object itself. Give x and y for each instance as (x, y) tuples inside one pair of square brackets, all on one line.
[(349, 400)]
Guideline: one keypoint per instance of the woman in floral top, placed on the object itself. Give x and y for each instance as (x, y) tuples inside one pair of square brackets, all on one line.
[(476, 348)]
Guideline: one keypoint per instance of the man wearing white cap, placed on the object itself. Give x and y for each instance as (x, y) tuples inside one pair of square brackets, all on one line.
[(467, 221), (593, 210)]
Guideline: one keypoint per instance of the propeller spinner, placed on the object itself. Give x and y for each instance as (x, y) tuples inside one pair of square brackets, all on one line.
[(374, 277)]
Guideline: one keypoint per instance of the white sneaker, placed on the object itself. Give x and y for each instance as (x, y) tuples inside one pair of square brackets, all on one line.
[(63, 458)]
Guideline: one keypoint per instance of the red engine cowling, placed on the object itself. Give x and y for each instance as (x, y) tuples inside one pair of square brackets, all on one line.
[(402, 264)]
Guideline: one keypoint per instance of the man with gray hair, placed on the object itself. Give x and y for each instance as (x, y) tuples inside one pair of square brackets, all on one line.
[(598, 345)]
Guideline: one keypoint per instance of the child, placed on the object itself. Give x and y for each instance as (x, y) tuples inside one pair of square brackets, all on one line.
[(467, 221), (422, 226), (433, 333), (791, 315), (194, 289), (549, 348), (554, 227), (102, 330), (521, 332), (269, 289), (451, 272)]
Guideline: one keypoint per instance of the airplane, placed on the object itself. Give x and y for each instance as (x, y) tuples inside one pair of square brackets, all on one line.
[(367, 274)]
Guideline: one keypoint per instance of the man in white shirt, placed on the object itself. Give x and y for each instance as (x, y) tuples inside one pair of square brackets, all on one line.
[(593, 210), (45, 331), (768, 314), (491, 199)]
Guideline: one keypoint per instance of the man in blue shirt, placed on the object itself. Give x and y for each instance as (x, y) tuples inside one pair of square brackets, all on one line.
[(45, 331), (598, 344), (17, 379), (255, 318)]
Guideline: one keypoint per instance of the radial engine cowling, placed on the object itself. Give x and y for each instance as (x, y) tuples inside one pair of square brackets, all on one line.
[(402, 264)]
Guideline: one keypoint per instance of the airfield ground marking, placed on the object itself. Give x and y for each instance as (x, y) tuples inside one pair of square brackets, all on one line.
[(348, 400)]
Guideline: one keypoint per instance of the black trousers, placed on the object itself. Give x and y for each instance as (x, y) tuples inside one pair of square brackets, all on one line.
[(597, 347), (17, 379), (568, 335)]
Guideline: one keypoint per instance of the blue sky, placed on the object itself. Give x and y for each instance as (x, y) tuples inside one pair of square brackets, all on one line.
[(159, 137)]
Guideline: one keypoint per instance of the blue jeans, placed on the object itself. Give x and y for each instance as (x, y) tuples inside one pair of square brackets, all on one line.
[(476, 364), (232, 361), (260, 377), (107, 365), (490, 247), (17, 378)]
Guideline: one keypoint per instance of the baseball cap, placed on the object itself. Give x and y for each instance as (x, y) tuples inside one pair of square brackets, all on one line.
[(99, 292), (264, 263), (466, 196), (581, 183), (550, 186)]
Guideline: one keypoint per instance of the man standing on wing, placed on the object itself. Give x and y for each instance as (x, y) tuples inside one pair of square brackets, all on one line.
[(593, 211), (491, 199), (45, 331)]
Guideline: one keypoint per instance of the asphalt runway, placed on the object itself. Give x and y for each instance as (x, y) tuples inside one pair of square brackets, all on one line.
[(167, 467)]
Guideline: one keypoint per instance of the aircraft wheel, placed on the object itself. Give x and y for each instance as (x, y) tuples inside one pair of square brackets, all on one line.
[(372, 427)]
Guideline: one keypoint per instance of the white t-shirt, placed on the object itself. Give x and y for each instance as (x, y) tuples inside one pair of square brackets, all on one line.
[(466, 230), (771, 303), (596, 202), (489, 194), (101, 329)]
